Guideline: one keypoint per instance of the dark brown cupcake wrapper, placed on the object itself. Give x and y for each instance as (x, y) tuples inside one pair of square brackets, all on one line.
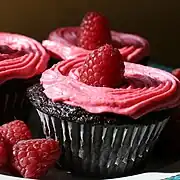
[(13, 101), (12, 106), (105, 151)]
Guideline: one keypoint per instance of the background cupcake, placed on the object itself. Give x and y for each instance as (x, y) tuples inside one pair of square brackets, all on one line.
[(176, 72), (107, 115), (21, 60), (76, 42), (168, 144)]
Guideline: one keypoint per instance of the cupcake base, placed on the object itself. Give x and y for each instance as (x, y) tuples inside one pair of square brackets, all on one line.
[(103, 151), (169, 143), (102, 145), (13, 101)]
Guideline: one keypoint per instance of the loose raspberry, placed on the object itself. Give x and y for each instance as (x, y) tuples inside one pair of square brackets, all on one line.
[(94, 31), (15, 131), (176, 72), (33, 158), (103, 67), (3, 152)]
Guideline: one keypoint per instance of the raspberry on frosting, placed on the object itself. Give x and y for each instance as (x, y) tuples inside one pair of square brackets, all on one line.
[(103, 67), (20, 57), (94, 31)]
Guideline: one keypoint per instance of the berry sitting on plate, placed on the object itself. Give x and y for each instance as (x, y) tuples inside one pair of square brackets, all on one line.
[(22, 155)]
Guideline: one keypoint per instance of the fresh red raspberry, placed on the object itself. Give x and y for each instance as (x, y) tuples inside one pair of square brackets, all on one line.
[(94, 31), (15, 131), (3, 152), (103, 67), (33, 158), (176, 72)]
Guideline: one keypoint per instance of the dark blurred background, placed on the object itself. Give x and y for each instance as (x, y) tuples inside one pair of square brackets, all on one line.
[(156, 20)]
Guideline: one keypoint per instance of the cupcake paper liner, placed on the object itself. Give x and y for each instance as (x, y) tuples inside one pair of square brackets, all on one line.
[(169, 143), (13, 106), (13, 101), (102, 150)]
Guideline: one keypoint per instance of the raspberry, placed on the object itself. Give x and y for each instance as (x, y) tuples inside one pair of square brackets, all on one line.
[(15, 131), (94, 31), (176, 72), (103, 67), (33, 158), (3, 152)]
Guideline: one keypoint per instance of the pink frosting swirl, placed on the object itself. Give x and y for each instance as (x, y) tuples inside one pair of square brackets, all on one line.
[(62, 45), (146, 89), (20, 57)]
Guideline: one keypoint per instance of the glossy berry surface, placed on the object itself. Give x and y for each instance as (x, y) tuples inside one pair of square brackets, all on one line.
[(33, 158), (94, 31), (15, 131), (104, 67)]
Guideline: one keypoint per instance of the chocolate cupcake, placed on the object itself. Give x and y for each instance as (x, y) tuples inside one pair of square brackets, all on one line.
[(76, 42), (22, 59), (105, 131)]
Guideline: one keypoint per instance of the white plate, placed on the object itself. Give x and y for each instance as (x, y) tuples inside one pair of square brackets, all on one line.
[(4, 177), (145, 176), (149, 176)]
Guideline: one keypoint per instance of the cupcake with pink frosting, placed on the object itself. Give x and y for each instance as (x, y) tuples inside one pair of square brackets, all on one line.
[(22, 59), (76, 42), (106, 113)]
